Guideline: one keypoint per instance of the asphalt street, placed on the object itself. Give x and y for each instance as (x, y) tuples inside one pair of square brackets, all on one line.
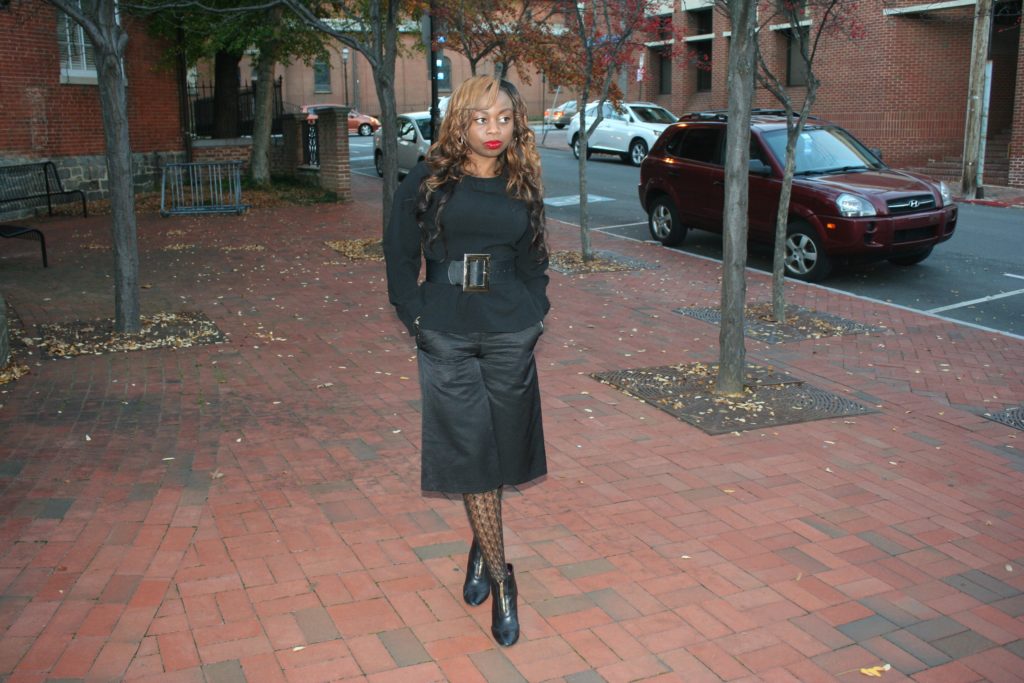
[(977, 277)]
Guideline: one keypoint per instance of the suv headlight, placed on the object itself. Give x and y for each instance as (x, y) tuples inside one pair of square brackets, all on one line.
[(947, 196), (852, 206)]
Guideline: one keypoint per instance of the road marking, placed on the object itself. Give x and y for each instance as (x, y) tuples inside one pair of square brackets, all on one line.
[(570, 199), (1019, 277), (624, 225), (983, 299), (360, 158)]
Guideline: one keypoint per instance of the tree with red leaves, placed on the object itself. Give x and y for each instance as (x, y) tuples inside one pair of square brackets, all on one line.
[(509, 34)]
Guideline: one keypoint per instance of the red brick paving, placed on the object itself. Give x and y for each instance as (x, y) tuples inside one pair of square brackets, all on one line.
[(650, 552)]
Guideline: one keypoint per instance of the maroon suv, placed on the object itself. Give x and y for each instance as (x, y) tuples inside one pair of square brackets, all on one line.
[(846, 204)]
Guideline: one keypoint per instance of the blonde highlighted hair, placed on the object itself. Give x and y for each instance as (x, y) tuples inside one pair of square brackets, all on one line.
[(448, 158)]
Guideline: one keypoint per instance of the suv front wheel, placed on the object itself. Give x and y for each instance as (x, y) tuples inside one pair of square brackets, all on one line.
[(637, 153), (664, 224), (805, 257)]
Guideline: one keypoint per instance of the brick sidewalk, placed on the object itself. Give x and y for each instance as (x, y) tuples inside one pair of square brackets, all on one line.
[(250, 510)]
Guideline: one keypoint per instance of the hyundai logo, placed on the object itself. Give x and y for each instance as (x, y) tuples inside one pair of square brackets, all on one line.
[(914, 203)]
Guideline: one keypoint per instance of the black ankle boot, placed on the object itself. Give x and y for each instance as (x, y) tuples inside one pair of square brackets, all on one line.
[(505, 610), (478, 580)]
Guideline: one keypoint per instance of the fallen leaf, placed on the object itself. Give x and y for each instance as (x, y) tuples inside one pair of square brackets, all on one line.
[(876, 671)]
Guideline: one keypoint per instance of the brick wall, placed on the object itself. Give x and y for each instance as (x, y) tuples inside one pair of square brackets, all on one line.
[(1016, 152), (49, 119), (46, 119), (233, 149), (335, 168)]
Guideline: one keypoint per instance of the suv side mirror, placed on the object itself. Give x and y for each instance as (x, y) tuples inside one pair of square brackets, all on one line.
[(758, 167), (876, 151)]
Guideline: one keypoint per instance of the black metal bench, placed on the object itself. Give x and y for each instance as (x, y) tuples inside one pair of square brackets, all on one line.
[(31, 183), (7, 230)]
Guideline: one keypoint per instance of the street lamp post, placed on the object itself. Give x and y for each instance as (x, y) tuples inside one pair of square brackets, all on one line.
[(344, 71)]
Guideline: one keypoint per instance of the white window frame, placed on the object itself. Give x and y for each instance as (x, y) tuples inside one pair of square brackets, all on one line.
[(77, 59)]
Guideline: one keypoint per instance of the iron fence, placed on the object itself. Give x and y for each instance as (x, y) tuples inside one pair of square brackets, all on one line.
[(201, 99)]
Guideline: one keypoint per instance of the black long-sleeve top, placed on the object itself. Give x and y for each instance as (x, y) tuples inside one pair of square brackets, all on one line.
[(479, 218)]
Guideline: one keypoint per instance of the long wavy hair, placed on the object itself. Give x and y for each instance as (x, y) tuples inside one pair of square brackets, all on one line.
[(448, 159)]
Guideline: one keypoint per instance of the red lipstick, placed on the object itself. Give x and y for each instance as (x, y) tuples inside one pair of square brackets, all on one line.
[(493, 144)]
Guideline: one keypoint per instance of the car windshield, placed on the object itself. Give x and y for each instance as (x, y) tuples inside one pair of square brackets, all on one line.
[(823, 150), (647, 114)]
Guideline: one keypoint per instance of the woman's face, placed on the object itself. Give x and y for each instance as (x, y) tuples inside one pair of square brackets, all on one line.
[(490, 131)]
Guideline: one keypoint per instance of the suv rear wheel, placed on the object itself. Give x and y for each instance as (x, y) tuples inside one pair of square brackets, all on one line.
[(805, 256), (664, 224), (576, 147), (378, 163)]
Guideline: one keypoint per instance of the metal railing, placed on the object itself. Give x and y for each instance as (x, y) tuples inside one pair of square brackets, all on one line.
[(311, 148), (202, 187)]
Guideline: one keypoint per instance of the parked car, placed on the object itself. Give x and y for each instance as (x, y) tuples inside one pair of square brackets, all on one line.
[(363, 124), (846, 203), (413, 142), (559, 116), (629, 130)]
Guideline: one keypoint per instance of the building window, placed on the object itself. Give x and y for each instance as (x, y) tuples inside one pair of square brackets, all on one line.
[(444, 74), (77, 62), (796, 67), (701, 31), (700, 58), (700, 21), (321, 76), (664, 61)]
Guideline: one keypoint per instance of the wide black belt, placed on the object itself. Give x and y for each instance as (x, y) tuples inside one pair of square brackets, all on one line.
[(474, 272)]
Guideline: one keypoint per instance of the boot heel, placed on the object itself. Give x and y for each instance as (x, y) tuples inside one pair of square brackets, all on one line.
[(478, 581), (505, 610)]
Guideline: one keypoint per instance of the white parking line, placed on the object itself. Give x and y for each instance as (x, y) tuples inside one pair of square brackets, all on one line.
[(360, 158), (983, 299), (570, 199), (624, 225), (1019, 277)]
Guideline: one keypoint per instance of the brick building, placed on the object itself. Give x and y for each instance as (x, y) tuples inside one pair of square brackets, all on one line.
[(901, 88), (50, 106)]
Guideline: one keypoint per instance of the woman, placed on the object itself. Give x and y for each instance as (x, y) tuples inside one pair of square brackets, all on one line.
[(474, 210)]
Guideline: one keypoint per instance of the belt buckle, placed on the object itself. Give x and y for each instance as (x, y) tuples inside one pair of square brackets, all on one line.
[(476, 272)]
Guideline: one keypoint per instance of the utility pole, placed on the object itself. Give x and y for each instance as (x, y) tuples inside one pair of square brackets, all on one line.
[(970, 182)]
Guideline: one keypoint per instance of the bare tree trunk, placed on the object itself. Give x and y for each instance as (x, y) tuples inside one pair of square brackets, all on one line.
[(225, 95), (263, 114), (384, 80), (793, 129), (732, 350), (587, 249), (122, 191)]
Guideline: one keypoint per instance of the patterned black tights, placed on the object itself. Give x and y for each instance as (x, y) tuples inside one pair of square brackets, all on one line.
[(484, 510)]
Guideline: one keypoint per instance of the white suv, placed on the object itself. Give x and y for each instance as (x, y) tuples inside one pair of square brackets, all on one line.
[(629, 131)]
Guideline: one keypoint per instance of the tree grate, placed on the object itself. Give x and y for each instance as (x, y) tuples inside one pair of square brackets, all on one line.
[(801, 323), (770, 398), (1011, 417), (569, 262)]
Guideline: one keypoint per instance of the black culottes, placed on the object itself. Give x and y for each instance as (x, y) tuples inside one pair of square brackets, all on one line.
[(481, 410)]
